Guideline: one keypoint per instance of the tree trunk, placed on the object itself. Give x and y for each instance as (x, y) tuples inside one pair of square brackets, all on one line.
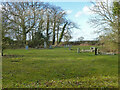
[(2, 52), (47, 30), (57, 34), (24, 32), (54, 32), (32, 35), (24, 37), (118, 15), (61, 35)]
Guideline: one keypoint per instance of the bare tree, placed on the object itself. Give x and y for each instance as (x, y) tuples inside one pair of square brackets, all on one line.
[(105, 21), (23, 19)]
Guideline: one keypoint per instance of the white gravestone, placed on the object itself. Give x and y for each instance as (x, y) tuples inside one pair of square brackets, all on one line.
[(78, 50), (45, 45)]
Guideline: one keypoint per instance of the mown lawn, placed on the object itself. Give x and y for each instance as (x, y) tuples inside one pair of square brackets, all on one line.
[(58, 68)]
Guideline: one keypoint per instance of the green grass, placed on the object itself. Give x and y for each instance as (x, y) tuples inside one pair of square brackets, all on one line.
[(0, 72), (58, 68)]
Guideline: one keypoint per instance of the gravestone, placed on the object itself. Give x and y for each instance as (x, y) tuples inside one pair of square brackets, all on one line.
[(96, 51), (70, 47), (50, 47), (26, 47), (66, 46), (45, 45), (78, 50), (92, 49)]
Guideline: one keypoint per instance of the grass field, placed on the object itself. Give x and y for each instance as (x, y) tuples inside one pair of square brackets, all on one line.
[(58, 68)]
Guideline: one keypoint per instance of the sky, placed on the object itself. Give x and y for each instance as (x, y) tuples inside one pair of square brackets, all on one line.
[(79, 13)]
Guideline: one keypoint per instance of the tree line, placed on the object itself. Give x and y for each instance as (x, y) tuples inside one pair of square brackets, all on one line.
[(38, 21)]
